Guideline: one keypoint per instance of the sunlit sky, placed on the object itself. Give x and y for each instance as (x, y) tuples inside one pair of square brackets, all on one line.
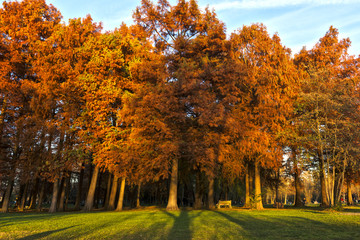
[(298, 22)]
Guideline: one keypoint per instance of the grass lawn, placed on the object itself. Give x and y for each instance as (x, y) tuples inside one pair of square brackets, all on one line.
[(308, 223)]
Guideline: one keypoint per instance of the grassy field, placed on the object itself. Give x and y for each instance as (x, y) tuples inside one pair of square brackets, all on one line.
[(307, 223)]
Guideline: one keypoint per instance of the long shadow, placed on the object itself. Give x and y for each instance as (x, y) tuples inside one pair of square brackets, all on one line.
[(352, 210), (181, 227), (7, 219), (83, 232), (44, 234), (290, 227)]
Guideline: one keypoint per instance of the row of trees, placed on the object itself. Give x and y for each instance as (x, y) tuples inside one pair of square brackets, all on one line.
[(168, 103)]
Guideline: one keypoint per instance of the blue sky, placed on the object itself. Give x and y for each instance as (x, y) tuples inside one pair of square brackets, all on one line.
[(298, 22)]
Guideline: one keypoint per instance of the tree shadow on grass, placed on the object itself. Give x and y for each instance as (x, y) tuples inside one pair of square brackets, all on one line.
[(100, 226), (140, 226), (45, 234), (181, 227), (352, 209), (8, 219), (278, 227)]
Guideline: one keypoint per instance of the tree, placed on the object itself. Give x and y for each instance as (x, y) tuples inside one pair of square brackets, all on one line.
[(328, 110), (191, 42), (265, 90), (23, 25)]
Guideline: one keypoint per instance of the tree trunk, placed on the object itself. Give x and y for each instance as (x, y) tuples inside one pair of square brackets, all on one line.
[(19, 196), (79, 193), (333, 185), (108, 190), (67, 192), (272, 199), (23, 198), (339, 182), (277, 183), (324, 200), (138, 195), (61, 207), (349, 193), (258, 200), (41, 197), (247, 186), (198, 197), (172, 202), (298, 200), (2, 117), (98, 190), (6, 200), (34, 194), (251, 179), (211, 204), (54, 196), (91, 193), (121, 195), (114, 188), (61, 186)]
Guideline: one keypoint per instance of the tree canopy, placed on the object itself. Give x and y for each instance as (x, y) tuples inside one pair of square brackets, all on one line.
[(171, 106)]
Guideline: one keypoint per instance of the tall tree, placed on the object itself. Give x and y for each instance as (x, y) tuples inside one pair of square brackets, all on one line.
[(329, 103), (23, 26), (191, 42), (264, 91)]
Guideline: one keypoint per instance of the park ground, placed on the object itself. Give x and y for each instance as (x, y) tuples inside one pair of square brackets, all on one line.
[(156, 223)]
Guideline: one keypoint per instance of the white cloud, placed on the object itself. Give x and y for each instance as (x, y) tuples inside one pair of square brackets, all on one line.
[(252, 4)]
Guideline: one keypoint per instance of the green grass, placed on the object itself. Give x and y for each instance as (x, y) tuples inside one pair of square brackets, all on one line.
[(306, 223)]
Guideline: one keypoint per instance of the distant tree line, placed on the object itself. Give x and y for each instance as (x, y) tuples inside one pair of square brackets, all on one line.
[(169, 111)]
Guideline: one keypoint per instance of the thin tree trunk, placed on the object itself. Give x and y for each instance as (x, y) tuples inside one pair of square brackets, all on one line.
[(247, 186), (2, 117), (34, 194), (329, 190), (340, 183), (331, 180), (298, 199), (2, 195), (23, 198), (114, 188), (211, 204), (6, 200), (41, 197), (349, 193), (172, 202), (108, 190), (198, 202), (138, 195), (277, 182), (251, 179), (19, 196), (324, 200), (258, 200), (54, 196), (98, 190), (63, 187), (121, 195), (333, 185), (91, 193), (79, 193), (67, 192)]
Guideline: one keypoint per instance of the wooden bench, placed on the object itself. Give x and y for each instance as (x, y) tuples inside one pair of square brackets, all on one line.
[(224, 203)]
